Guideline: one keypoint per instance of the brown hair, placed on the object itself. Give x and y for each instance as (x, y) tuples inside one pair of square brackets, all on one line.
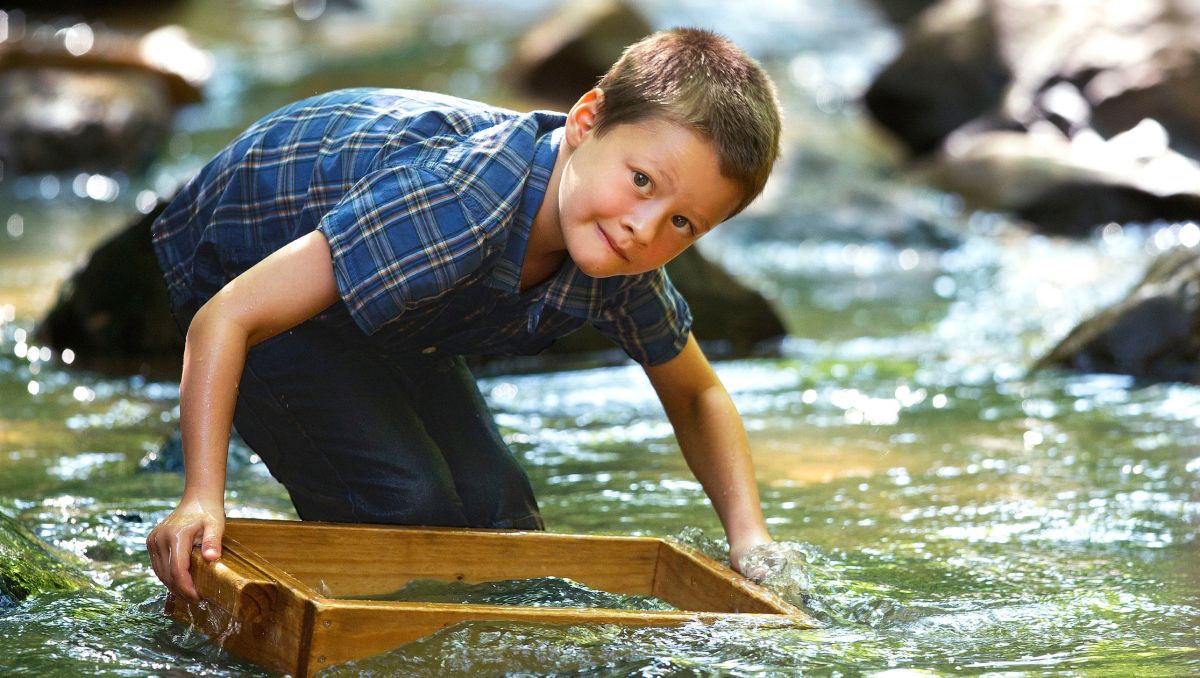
[(702, 80)]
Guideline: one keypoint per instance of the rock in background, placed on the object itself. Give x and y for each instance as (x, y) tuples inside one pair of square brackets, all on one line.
[(74, 96), (562, 57), (113, 312), (1152, 334), (1068, 113)]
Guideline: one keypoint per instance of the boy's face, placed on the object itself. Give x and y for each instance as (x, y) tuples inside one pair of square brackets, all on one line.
[(632, 199)]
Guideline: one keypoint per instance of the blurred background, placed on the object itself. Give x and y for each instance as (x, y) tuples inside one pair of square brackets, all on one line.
[(961, 324)]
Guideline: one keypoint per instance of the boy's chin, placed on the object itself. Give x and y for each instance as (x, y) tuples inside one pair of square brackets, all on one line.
[(593, 270), (598, 264)]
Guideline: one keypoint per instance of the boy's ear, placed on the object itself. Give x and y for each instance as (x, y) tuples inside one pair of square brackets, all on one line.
[(582, 118)]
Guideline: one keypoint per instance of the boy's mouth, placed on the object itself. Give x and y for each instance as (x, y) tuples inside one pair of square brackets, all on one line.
[(612, 245)]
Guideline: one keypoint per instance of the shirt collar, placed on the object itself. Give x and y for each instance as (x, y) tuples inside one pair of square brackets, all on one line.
[(506, 275), (569, 290)]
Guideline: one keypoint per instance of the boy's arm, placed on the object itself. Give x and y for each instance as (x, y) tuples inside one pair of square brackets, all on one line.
[(283, 290), (710, 433)]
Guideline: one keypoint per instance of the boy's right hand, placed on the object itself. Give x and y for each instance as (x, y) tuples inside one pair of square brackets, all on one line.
[(170, 543)]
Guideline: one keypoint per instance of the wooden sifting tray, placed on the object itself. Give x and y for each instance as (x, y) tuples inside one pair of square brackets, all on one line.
[(282, 593)]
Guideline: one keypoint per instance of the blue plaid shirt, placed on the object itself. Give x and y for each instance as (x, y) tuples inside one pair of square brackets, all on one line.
[(427, 203)]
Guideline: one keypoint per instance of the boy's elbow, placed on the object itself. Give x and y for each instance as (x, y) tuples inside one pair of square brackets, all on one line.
[(214, 322)]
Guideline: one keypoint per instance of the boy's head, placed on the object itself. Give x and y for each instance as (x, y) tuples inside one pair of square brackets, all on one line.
[(703, 81), (680, 135)]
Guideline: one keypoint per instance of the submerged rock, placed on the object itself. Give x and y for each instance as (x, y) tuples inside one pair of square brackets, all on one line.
[(27, 567), (1153, 334), (1106, 95)]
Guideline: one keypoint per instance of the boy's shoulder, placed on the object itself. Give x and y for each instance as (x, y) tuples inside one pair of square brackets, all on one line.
[(416, 112), (458, 139), (483, 153)]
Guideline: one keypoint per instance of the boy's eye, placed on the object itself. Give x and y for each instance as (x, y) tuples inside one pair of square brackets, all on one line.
[(681, 222), (640, 179)]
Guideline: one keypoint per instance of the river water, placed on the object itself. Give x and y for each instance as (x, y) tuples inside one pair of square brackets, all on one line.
[(960, 515)]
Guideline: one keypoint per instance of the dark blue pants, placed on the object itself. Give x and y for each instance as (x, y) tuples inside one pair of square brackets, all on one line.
[(359, 435)]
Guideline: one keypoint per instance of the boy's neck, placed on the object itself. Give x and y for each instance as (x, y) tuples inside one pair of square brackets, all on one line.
[(546, 250)]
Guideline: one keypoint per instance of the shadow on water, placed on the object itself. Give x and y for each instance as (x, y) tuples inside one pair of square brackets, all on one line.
[(957, 516)]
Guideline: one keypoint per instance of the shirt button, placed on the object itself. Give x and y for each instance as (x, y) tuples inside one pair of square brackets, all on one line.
[(428, 349)]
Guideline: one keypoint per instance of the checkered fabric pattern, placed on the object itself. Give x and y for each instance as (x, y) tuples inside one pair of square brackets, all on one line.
[(426, 201)]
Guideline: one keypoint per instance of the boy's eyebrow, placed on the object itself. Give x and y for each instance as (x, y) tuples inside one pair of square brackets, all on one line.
[(661, 170)]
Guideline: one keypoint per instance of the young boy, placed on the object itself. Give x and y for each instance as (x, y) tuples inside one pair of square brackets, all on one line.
[(334, 263)]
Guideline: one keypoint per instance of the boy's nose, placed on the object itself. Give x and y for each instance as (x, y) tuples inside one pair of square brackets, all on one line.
[(641, 225)]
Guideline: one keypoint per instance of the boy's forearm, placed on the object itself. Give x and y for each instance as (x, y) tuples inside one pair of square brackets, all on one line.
[(713, 440), (214, 356), (283, 290)]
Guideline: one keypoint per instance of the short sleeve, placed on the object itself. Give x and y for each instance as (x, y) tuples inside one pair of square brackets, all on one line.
[(650, 320), (400, 237)]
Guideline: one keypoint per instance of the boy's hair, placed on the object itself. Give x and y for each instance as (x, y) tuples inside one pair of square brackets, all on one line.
[(702, 80)]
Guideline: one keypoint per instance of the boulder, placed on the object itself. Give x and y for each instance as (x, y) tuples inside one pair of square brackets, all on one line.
[(106, 123), (1106, 94), (1172, 99), (27, 567), (113, 312), (74, 97), (949, 73), (1152, 334), (900, 12), (1068, 186), (563, 56), (111, 12)]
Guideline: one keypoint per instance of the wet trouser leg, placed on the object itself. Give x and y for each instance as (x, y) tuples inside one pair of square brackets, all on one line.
[(356, 435), (488, 479)]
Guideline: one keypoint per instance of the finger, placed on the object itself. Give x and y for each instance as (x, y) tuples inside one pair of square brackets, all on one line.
[(181, 561), (152, 550), (159, 557), (753, 571), (211, 544), (755, 574)]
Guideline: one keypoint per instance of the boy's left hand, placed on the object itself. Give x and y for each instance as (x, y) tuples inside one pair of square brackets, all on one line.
[(780, 566), (739, 548)]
